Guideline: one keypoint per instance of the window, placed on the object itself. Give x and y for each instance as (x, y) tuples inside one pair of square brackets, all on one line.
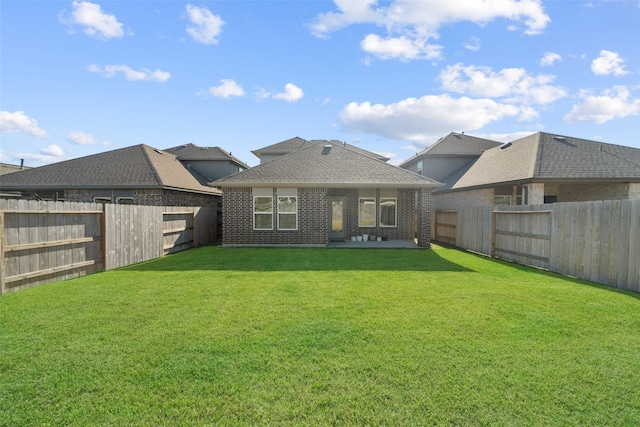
[(367, 212), (501, 200), (388, 212), (124, 200), (287, 212), (420, 168), (103, 200), (263, 213)]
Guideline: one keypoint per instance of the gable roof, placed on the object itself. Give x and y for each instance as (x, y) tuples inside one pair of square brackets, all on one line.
[(281, 148), (193, 152), (543, 156), (139, 166), (455, 144), (297, 143), (327, 164), (6, 168)]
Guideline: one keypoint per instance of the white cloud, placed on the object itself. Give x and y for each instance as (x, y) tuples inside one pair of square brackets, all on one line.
[(130, 74), (608, 63), (420, 120), (83, 138), (96, 23), (512, 84), (292, 93), (473, 44), (402, 48), (205, 26), (50, 154), (549, 59), (411, 24), (227, 89), (19, 122), (614, 103)]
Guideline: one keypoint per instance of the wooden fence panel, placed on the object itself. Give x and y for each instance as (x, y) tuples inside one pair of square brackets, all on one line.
[(597, 241), (446, 227), (42, 242)]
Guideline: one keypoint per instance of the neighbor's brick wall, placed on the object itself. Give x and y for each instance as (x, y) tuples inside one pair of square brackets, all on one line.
[(462, 199), (149, 197), (587, 192), (237, 226)]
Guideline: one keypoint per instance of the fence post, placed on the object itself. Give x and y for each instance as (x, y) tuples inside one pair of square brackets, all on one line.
[(103, 234), (2, 285), (493, 233)]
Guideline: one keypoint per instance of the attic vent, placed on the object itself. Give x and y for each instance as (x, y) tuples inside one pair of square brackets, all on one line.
[(159, 151), (507, 145), (560, 138), (326, 149)]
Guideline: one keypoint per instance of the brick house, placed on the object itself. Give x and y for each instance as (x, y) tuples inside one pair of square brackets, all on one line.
[(139, 175), (323, 191), (540, 168)]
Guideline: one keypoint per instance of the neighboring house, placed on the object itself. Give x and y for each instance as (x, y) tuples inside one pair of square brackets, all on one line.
[(447, 155), (5, 169), (211, 162), (544, 168), (134, 175), (274, 151), (322, 191)]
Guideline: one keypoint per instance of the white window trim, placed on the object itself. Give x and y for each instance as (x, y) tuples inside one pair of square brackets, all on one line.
[(104, 199), (262, 213), (287, 213), (375, 213), (124, 198), (395, 220)]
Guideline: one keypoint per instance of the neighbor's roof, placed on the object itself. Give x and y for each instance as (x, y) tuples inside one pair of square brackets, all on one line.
[(193, 152), (327, 165), (139, 166), (297, 143), (455, 144), (6, 168), (543, 156)]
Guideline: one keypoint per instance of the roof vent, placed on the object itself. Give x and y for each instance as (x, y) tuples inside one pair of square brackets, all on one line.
[(158, 151), (560, 138), (507, 145), (326, 149)]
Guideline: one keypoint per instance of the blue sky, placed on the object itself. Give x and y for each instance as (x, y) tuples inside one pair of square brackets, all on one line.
[(82, 77)]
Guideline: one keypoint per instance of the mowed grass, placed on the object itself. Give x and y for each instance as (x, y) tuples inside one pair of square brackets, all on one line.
[(222, 336)]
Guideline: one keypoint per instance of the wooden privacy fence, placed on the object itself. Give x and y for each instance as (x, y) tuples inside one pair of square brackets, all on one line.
[(42, 242), (596, 241)]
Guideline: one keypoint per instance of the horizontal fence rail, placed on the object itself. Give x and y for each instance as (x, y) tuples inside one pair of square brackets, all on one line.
[(597, 241), (42, 242)]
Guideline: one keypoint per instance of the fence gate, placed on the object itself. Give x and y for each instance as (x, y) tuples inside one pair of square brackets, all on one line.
[(523, 237)]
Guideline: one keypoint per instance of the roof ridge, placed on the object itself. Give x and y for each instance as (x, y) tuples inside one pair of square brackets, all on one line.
[(156, 173)]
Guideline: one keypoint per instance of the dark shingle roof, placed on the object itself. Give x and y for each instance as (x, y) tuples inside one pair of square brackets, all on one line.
[(455, 144), (284, 147), (297, 143), (139, 166), (322, 165), (544, 156), (193, 152)]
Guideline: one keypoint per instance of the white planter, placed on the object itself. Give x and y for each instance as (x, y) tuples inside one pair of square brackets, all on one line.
[(379, 239), (359, 238), (353, 238), (365, 237)]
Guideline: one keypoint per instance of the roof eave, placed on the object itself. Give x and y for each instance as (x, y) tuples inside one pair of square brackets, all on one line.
[(325, 185)]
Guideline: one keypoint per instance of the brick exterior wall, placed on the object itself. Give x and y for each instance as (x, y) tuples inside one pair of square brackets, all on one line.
[(424, 218), (149, 197), (237, 224), (313, 218), (583, 192)]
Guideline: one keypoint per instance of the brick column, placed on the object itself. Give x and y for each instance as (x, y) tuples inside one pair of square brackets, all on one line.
[(424, 217)]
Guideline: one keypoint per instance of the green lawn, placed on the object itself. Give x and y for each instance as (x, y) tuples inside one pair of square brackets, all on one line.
[(217, 336)]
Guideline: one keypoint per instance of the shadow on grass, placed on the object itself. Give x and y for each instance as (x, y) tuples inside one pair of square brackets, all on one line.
[(546, 273), (300, 259)]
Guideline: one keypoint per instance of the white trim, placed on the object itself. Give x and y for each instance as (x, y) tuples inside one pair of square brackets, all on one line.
[(287, 213)]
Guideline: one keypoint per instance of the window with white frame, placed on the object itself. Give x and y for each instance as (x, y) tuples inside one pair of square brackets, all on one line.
[(287, 209), (501, 200), (124, 200), (103, 200), (419, 168), (263, 212)]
